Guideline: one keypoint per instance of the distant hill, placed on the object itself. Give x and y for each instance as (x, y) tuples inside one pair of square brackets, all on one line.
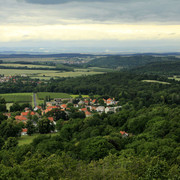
[(43, 55), (127, 62), (166, 68)]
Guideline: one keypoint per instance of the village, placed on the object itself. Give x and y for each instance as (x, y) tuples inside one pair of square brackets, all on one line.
[(88, 107)]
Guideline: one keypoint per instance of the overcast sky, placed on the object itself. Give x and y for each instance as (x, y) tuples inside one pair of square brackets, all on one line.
[(116, 25)]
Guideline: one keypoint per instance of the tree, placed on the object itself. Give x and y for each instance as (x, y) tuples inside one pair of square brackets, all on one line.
[(1, 142), (10, 143), (15, 107), (44, 126), (30, 128)]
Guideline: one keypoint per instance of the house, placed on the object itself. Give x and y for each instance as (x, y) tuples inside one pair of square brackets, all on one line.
[(7, 114), (110, 102), (84, 109), (93, 101), (88, 114), (49, 103), (62, 100), (81, 102), (37, 108), (27, 109), (86, 102), (100, 109), (109, 109), (124, 134), (63, 106), (52, 107), (27, 113), (24, 132), (21, 119), (52, 120), (92, 108)]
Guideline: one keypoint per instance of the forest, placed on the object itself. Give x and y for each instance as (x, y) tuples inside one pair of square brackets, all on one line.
[(93, 147)]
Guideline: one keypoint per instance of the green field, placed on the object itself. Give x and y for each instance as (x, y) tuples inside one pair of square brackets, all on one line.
[(29, 139), (47, 74), (30, 73), (43, 95), (18, 97), (154, 81), (26, 65), (30, 59), (177, 78)]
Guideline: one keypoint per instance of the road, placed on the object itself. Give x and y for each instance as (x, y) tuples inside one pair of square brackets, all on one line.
[(34, 96)]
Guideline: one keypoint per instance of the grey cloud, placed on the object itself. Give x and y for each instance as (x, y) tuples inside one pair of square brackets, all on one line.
[(65, 1), (114, 11)]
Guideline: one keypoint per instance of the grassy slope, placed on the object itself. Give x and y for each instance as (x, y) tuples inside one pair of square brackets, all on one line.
[(29, 139)]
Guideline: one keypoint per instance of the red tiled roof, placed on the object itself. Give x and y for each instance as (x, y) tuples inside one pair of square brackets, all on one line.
[(27, 113), (21, 118), (52, 107), (32, 113), (51, 118), (93, 108), (64, 106), (24, 113), (94, 100), (84, 109), (87, 113), (123, 132), (47, 110), (24, 130)]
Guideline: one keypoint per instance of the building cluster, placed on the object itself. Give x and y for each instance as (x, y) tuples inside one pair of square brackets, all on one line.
[(7, 79), (88, 106)]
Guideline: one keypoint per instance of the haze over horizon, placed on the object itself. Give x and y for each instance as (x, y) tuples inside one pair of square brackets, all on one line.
[(90, 26)]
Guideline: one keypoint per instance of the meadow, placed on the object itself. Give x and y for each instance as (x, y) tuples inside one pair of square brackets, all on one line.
[(43, 95), (17, 97), (29, 139)]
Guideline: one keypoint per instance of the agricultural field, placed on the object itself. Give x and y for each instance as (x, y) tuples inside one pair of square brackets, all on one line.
[(76, 96), (27, 65), (154, 81), (30, 59), (43, 95), (47, 74), (18, 97), (13, 72)]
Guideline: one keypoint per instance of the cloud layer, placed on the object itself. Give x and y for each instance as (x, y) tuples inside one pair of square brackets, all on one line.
[(114, 11), (89, 20)]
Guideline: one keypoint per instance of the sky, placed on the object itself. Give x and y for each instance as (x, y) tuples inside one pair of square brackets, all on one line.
[(90, 25)]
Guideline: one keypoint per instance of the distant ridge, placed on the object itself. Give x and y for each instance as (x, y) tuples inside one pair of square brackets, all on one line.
[(43, 55)]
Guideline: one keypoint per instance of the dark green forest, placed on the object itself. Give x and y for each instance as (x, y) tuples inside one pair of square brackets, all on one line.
[(128, 61), (93, 147)]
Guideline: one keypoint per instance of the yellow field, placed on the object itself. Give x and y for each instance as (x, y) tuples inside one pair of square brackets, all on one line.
[(154, 81)]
